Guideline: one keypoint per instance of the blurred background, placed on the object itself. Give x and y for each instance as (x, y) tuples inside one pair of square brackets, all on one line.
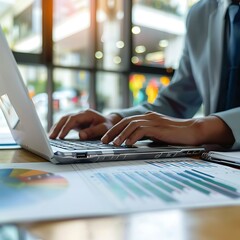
[(104, 54)]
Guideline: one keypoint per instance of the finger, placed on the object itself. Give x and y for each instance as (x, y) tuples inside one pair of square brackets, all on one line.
[(129, 129), (119, 127), (73, 122), (171, 134), (115, 130), (144, 131), (55, 130), (80, 121), (93, 132)]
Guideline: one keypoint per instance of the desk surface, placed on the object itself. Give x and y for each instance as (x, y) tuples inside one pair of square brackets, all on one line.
[(219, 223)]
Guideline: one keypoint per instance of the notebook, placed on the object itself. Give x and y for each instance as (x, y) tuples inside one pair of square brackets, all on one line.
[(230, 157), (28, 132)]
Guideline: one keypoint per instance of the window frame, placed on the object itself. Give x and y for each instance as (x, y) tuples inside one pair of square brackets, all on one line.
[(45, 58)]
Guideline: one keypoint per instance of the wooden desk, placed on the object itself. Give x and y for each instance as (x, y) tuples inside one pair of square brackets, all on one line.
[(219, 223)]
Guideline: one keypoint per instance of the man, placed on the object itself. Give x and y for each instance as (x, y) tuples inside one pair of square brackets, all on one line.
[(203, 77)]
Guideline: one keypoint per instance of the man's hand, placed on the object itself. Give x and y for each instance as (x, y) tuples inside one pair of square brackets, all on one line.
[(208, 130), (90, 124)]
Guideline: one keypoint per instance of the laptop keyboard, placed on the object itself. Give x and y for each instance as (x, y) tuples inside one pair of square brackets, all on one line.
[(80, 145)]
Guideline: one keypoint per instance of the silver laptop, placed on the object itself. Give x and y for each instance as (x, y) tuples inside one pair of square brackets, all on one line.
[(28, 132)]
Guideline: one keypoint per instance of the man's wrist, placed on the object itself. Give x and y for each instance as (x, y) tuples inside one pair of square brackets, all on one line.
[(213, 130)]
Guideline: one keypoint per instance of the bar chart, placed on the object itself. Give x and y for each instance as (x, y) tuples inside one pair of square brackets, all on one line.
[(166, 183), (111, 188)]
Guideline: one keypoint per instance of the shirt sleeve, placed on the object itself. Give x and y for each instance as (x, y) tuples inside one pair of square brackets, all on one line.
[(232, 119)]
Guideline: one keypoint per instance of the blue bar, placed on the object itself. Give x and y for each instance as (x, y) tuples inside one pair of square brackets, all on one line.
[(155, 191), (190, 184), (203, 173), (113, 186), (214, 188), (168, 180), (230, 188), (131, 186), (158, 183)]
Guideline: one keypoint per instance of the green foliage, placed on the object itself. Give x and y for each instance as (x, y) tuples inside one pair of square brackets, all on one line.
[(5, 30), (57, 86), (38, 86), (164, 5)]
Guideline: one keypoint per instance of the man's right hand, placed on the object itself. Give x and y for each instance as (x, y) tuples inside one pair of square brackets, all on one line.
[(90, 125)]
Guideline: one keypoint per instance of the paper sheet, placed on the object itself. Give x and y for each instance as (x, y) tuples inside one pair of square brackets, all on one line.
[(43, 191), (226, 156), (7, 141)]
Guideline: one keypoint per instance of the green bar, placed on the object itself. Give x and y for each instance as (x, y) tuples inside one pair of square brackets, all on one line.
[(213, 187), (196, 187), (153, 190), (114, 187), (158, 193), (132, 187), (156, 182), (171, 182), (212, 181)]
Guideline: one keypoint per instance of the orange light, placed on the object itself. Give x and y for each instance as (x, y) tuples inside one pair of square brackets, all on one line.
[(152, 90), (165, 81)]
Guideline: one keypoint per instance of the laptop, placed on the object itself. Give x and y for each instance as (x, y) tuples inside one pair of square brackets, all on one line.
[(27, 130)]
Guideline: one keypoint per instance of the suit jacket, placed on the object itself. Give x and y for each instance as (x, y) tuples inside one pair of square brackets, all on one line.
[(198, 77)]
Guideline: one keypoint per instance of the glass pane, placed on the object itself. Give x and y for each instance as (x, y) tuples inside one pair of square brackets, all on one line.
[(158, 31), (110, 43), (71, 92), (35, 79), (71, 32), (109, 92), (22, 23), (146, 87)]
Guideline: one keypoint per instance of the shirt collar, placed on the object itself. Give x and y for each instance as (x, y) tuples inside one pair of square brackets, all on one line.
[(224, 4)]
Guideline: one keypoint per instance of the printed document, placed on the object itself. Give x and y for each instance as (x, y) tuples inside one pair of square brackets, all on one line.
[(43, 191)]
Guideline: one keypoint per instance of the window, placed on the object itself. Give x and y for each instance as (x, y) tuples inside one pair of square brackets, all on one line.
[(104, 54), (72, 95), (111, 38), (35, 78), (21, 22), (158, 31), (109, 90), (72, 33), (145, 87)]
